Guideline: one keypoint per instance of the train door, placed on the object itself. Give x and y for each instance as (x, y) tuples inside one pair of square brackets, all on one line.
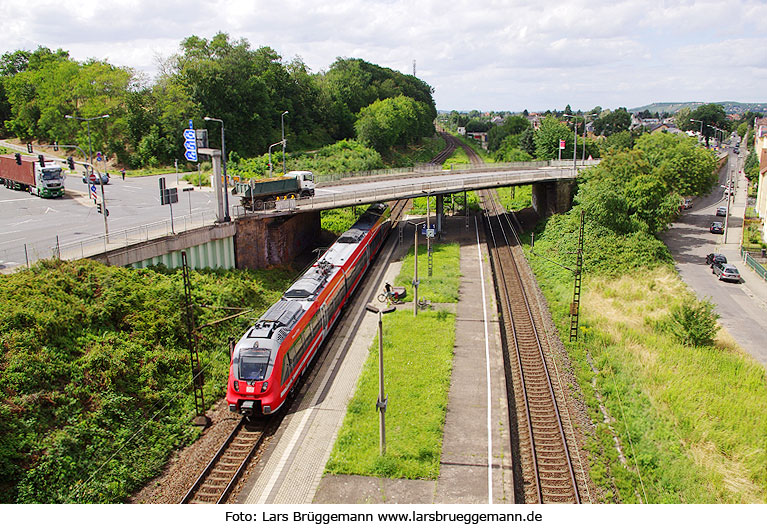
[(324, 318)]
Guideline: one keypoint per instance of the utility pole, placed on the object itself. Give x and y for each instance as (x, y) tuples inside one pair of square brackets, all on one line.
[(197, 374), (575, 306)]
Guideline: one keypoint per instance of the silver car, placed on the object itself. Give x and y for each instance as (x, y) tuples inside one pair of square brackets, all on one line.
[(726, 272)]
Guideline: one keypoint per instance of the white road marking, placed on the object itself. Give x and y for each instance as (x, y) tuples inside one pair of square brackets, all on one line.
[(49, 209), (487, 375), (21, 222)]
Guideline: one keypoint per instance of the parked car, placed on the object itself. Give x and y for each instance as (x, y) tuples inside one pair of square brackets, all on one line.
[(726, 272), (715, 258), (721, 211), (94, 178), (716, 228), (687, 204)]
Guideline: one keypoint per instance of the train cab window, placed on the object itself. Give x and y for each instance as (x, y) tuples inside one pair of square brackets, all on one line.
[(253, 364)]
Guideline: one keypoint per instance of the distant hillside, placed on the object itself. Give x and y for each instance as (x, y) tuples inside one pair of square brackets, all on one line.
[(730, 107)]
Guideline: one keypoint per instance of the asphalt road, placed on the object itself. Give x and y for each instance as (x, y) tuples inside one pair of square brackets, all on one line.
[(742, 307), (36, 222)]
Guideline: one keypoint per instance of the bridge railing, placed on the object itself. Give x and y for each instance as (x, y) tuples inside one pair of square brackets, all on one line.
[(29, 252), (453, 182), (422, 170)]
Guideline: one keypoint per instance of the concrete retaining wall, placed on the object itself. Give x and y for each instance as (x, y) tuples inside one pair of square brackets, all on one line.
[(264, 242)]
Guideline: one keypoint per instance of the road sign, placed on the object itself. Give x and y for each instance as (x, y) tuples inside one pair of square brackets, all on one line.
[(190, 145), (561, 144), (98, 156), (94, 195)]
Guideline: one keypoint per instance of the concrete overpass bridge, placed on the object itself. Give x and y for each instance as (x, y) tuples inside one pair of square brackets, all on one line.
[(258, 239)]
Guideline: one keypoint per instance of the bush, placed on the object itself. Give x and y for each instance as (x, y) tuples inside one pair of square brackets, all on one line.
[(693, 322)]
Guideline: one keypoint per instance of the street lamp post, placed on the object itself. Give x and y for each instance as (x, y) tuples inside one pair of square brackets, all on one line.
[(88, 121), (223, 167), (701, 127), (575, 140), (584, 138), (382, 400), (282, 123), (270, 156)]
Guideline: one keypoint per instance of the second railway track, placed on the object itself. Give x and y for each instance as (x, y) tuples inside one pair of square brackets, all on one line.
[(544, 465)]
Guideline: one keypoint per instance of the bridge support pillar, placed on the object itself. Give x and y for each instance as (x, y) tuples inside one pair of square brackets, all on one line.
[(552, 197), (263, 242)]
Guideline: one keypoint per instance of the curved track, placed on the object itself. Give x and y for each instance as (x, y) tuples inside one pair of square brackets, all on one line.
[(452, 144), (544, 461)]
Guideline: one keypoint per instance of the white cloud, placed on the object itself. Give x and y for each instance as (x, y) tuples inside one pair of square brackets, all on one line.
[(503, 54)]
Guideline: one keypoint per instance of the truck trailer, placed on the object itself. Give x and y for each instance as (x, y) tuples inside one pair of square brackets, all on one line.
[(262, 193), (28, 174)]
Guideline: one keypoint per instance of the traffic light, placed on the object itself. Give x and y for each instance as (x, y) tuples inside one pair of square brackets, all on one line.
[(41, 159), (55, 146), (98, 207), (71, 162), (29, 148), (18, 158)]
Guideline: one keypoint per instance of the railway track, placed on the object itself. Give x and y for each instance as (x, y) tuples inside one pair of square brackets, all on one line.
[(452, 145), (222, 473), (544, 469)]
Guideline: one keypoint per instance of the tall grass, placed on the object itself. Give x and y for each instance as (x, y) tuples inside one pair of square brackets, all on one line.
[(692, 421)]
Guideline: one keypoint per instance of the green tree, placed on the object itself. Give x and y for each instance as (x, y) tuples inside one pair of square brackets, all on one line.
[(513, 125), (547, 139), (393, 121), (614, 122), (683, 166)]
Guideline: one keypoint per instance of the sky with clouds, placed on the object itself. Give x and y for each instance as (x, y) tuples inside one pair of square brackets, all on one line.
[(485, 55)]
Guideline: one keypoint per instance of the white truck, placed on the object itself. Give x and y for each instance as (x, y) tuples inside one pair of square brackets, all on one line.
[(26, 173)]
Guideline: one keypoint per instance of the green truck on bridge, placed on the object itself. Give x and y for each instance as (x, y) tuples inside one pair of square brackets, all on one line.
[(264, 193)]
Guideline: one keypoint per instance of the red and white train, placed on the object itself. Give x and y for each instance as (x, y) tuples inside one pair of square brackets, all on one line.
[(271, 356)]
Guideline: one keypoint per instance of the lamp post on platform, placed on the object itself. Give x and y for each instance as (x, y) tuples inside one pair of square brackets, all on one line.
[(382, 400)]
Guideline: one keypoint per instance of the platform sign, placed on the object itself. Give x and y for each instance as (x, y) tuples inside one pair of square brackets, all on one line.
[(561, 144), (190, 145)]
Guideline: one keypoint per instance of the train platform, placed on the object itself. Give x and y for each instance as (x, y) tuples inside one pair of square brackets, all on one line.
[(475, 463)]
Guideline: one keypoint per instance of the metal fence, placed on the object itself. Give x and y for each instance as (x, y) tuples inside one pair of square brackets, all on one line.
[(752, 262), (53, 247)]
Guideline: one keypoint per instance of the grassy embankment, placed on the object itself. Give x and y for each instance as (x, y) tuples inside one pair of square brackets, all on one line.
[(417, 382), (93, 355), (692, 421)]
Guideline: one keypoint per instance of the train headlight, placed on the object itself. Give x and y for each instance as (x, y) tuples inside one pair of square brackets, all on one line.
[(264, 386), (236, 385)]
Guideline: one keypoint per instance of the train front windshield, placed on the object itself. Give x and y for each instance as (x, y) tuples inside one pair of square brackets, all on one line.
[(253, 364)]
